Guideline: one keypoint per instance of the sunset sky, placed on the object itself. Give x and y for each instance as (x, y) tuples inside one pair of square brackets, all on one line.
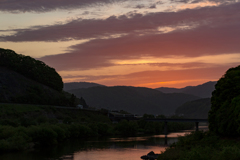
[(148, 43)]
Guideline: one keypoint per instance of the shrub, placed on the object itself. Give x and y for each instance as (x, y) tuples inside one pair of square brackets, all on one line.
[(13, 138), (104, 129), (43, 135), (6, 132), (126, 128)]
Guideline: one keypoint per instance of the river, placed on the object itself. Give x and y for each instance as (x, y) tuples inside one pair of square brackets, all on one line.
[(130, 148)]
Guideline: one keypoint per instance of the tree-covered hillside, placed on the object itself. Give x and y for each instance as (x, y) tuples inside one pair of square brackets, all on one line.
[(31, 68), (29, 81), (195, 109), (204, 90), (136, 100)]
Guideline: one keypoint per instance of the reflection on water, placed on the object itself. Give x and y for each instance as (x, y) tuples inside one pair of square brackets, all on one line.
[(131, 148), (117, 153), (128, 139), (121, 148)]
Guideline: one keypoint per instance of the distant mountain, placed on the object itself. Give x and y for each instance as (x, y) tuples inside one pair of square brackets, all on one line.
[(77, 85), (204, 90), (195, 109), (169, 90), (136, 100)]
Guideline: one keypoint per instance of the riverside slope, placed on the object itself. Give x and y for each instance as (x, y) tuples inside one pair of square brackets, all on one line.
[(16, 88)]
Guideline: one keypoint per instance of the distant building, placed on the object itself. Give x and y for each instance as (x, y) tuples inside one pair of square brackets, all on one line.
[(79, 106)]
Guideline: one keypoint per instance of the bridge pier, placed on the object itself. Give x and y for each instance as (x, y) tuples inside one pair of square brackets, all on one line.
[(197, 126), (165, 132), (165, 120), (166, 129)]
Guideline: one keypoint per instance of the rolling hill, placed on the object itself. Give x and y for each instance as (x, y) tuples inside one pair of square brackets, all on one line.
[(195, 109), (76, 85), (26, 80), (204, 90), (136, 100), (16, 88)]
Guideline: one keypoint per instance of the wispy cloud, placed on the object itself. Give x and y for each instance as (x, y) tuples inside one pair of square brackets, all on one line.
[(48, 5), (111, 48), (191, 43), (131, 23)]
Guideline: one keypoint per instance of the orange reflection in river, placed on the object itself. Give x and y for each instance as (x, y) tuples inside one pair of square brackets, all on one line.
[(130, 148), (117, 153)]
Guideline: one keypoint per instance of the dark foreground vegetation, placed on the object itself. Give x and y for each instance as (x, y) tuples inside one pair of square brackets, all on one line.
[(222, 142), (26, 126), (203, 146)]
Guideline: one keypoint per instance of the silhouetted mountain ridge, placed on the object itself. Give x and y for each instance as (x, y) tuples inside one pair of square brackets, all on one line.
[(204, 90), (137, 100), (195, 109), (76, 85)]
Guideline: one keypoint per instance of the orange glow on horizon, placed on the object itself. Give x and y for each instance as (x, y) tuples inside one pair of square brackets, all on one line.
[(155, 79), (170, 84), (177, 84)]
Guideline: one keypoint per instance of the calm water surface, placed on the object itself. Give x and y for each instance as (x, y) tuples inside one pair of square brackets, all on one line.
[(131, 148)]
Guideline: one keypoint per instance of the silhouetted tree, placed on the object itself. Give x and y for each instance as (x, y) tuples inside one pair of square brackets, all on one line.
[(224, 116), (73, 100), (83, 102)]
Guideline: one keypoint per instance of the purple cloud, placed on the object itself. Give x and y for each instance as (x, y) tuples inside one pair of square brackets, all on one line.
[(189, 43), (129, 23), (142, 6), (197, 1), (47, 5)]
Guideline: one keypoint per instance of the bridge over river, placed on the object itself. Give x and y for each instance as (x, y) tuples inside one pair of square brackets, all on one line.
[(165, 120), (176, 120)]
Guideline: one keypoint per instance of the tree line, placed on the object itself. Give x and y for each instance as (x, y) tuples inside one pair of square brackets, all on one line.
[(22, 126)]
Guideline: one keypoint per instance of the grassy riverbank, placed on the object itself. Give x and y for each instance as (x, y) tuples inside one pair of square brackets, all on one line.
[(203, 146)]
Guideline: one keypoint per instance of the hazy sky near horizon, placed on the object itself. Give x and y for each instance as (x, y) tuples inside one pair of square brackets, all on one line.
[(148, 43)]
